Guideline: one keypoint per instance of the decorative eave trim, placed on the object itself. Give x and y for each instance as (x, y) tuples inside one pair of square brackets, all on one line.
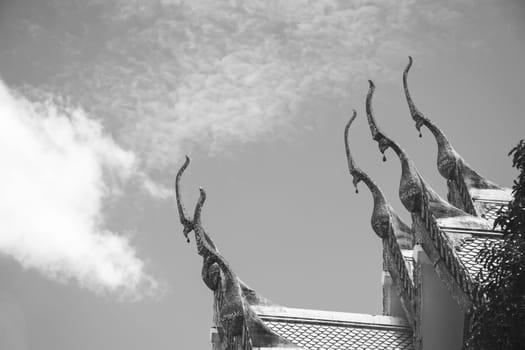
[(474, 232), (401, 276), (448, 256)]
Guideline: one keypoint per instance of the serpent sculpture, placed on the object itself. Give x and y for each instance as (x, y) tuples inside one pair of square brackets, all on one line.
[(233, 298), (413, 190), (383, 216)]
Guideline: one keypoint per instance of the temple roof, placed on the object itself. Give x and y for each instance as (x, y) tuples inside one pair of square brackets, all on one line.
[(451, 233), (472, 205), (244, 317), (468, 243), (328, 330), (488, 208)]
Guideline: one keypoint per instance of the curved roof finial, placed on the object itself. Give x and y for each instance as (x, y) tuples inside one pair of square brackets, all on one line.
[(383, 216), (205, 245), (183, 216), (447, 156), (412, 188), (234, 311), (349, 158), (416, 114), (354, 170), (377, 135), (448, 160)]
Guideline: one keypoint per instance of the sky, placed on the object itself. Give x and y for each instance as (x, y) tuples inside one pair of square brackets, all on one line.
[(100, 101)]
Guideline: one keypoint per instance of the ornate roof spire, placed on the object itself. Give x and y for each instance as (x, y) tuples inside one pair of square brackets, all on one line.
[(233, 312), (413, 190), (448, 160), (383, 216), (213, 260), (185, 220)]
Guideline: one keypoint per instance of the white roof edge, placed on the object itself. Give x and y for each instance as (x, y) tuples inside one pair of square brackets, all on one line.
[(331, 316), (504, 194), (472, 232)]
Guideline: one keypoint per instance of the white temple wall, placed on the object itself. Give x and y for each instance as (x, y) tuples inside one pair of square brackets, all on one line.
[(441, 319)]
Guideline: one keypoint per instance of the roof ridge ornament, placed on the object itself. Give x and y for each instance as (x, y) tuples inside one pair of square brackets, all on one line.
[(233, 312), (185, 220), (413, 190), (383, 215), (205, 245), (449, 161)]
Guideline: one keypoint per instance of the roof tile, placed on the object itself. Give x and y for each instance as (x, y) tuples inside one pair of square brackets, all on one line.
[(327, 336)]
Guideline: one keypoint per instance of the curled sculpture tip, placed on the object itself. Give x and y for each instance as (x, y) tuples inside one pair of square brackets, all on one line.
[(407, 68), (347, 126), (354, 114), (202, 195), (377, 135), (351, 164), (198, 207), (183, 216), (381, 213), (418, 117), (369, 111)]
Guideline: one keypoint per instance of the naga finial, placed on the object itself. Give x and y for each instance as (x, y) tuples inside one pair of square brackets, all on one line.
[(185, 220), (215, 266), (414, 112), (234, 311), (412, 188), (356, 173), (383, 216), (447, 158), (383, 141), (205, 245)]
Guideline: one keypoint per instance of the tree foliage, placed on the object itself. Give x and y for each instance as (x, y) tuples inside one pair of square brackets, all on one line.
[(498, 322)]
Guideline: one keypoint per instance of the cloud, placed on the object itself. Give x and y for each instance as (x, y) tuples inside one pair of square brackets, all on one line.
[(170, 75), (165, 76), (58, 166)]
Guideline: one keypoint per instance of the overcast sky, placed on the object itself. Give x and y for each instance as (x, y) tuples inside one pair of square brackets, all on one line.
[(100, 100)]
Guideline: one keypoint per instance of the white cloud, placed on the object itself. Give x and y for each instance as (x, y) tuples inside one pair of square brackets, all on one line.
[(57, 168), (213, 73), (169, 75)]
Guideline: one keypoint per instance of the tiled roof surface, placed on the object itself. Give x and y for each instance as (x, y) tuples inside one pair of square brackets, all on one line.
[(326, 336), (489, 209), (468, 249)]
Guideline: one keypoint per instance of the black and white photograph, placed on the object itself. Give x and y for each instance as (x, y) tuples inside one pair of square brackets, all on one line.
[(262, 174)]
